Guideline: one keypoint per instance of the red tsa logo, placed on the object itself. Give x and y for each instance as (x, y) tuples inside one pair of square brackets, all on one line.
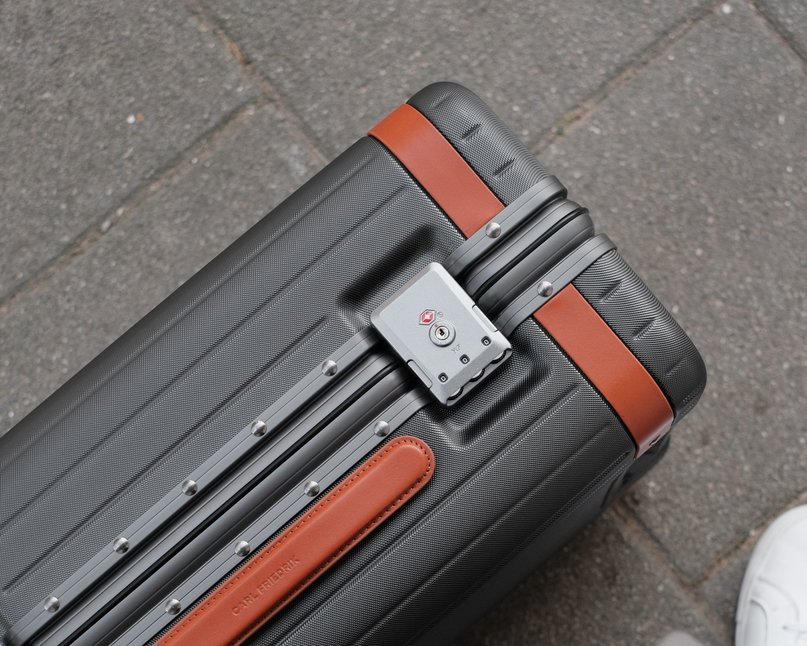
[(427, 317)]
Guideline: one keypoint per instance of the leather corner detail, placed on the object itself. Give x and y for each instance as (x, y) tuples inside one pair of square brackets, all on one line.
[(609, 365), (287, 565), (438, 168)]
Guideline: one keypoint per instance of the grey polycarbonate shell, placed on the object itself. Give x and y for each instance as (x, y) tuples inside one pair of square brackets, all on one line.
[(522, 463)]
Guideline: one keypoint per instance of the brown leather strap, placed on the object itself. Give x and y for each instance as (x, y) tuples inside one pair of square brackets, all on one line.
[(600, 354), (438, 168), (297, 557)]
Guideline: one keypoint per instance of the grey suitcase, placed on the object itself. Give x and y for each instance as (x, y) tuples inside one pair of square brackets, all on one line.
[(527, 449)]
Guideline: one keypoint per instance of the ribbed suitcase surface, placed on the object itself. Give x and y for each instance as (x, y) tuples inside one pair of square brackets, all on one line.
[(523, 462)]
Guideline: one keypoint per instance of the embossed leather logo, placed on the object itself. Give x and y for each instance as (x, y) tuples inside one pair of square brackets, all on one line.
[(266, 584)]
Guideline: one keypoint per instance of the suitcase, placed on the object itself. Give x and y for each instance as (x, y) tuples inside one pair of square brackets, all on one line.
[(363, 423)]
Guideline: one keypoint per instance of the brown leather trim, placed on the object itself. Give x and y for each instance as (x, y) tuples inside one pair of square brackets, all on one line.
[(575, 325), (438, 168), (613, 369), (291, 562)]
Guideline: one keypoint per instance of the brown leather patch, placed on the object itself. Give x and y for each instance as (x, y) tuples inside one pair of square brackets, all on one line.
[(610, 366), (282, 569), (438, 168)]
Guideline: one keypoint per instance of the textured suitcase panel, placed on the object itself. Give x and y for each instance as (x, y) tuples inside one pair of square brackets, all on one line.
[(513, 461), (222, 348), (647, 328), (98, 454), (522, 463), (489, 146)]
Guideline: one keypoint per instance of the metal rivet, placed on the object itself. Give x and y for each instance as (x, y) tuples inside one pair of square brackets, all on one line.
[(493, 230), (381, 428), (120, 545), (329, 368), (189, 487), (545, 288), (259, 428), (51, 604), (242, 549), (173, 607), (311, 488)]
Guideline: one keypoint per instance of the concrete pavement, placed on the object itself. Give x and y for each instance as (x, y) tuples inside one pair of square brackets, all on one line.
[(140, 139)]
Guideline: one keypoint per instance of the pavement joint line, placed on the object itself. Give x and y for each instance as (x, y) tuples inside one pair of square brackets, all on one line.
[(781, 33), (658, 550), (636, 534), (726, 557), (169, 173), (574, 117), (259, 78)]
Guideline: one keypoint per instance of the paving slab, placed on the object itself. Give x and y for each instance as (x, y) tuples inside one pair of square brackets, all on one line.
[(722, 589), (696, 169), (790, 17), (344, 65), (600, 589), (48, 333), (95, 98)]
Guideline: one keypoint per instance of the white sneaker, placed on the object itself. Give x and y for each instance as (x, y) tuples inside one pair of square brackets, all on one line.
[(772, 610)]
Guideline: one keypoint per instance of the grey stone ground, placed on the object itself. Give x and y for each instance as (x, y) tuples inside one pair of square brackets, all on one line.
[(138, 139)]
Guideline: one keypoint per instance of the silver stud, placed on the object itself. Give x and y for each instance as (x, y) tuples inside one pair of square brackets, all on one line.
[(190, 487), (329, 367), (173, 607), (51, 604), (545, 288), (259, 428), (311, 488), (120, 545), (381, 428), (242, 548), (493, 230)]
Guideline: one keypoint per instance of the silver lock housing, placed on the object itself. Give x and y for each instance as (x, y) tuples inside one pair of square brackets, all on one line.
[(441, 334)]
